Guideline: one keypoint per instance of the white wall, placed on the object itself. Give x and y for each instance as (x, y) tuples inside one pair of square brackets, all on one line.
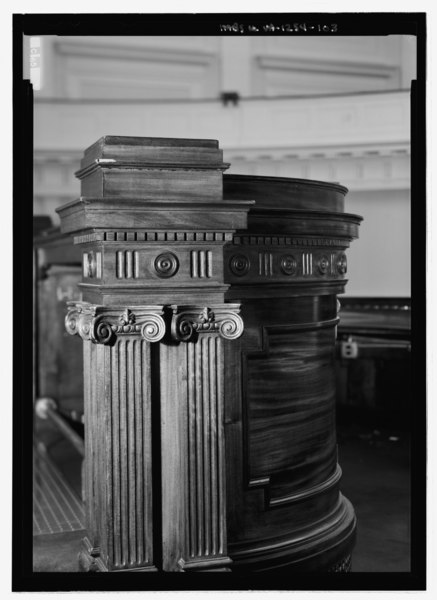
[(200, 67), (98, 86), (379, 261)]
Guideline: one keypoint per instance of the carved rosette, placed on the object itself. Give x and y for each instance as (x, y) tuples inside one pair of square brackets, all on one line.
[(267, 262), (288, 264), (166, 265), (188, 321), (239, 265), (102, 324), (323, 264)]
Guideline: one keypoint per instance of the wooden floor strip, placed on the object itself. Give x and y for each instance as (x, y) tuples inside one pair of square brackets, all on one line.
[(56, 507)]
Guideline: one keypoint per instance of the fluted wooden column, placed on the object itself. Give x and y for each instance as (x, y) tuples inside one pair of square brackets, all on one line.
[(195, 461), (118, 460), (152, 224)]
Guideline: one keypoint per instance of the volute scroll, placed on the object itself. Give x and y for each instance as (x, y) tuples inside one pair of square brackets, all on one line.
[(103, 324), (189, 321)]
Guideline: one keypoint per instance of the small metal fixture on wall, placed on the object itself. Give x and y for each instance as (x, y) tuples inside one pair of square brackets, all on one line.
[(232, 97)]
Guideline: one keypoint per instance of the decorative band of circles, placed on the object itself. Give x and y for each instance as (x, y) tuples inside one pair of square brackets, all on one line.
[(342, 264), (323, 264), (288, 264), (239, 265), (166, 265)]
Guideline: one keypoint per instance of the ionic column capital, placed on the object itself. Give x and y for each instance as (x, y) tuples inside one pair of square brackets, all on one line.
[(189, 321), (103, 324)]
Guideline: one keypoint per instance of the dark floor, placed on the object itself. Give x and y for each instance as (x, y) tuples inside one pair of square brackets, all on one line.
[(376, 479)]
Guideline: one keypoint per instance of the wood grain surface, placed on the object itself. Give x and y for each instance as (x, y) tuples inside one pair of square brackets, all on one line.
[(206, 450), (286, 269)]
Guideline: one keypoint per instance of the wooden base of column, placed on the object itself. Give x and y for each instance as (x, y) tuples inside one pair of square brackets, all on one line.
[(89, 558), (320, 549), (90, 561), (204, 566)]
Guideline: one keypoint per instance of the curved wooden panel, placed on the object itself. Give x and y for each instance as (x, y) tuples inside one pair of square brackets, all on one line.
[(290, 193), (284, 504)]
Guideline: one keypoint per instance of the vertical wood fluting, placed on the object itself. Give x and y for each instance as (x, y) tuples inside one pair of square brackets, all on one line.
[(205, 447), (206, 486), (198, 536), (118, 453), (93, 413), (89, 455), (129, 518)]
